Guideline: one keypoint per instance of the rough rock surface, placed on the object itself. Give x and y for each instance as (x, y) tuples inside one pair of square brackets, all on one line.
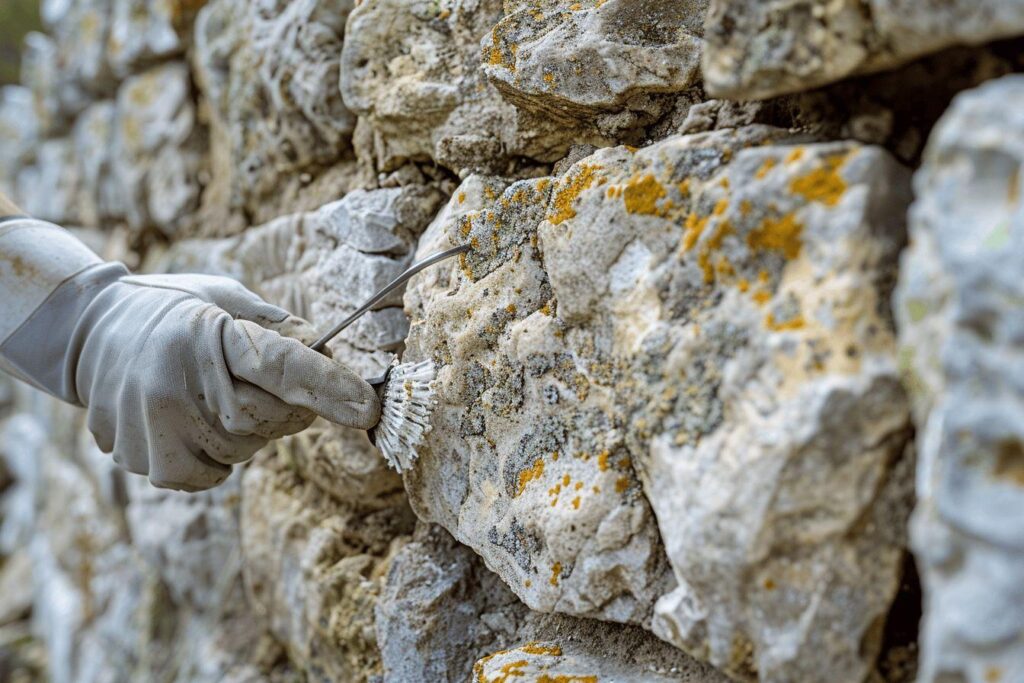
[(265, 70), (961, 334), (410, 69), (650, 307), (763, 49), (613, 57)]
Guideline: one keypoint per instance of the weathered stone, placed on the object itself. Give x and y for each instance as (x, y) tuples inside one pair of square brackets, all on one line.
[(142, 31), (959, 308), (314, 567), (267, 72), (49, 188), (157, 149), (100, 197), (764, 49), (411, 68), (441, 612), (595, 57), (19, 132), (666, 322)]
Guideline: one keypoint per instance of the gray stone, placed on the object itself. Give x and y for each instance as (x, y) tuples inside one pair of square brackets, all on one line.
[(100, 198), (760, 50), (19, 132), (143, 32), (960, 308), (49, 188)]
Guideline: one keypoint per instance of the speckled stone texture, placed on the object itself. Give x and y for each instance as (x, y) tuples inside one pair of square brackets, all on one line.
[(959, 305)]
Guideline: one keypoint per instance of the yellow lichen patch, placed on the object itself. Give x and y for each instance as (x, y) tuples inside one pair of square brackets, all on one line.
[(684, 187), (794, 323), (765, 168), (509, 670), (746, 207), (761, 297), (823, 184), (529, 474), (720, 207), (566, 678), (527, 583), (796, 155), (621, 484), (546, 309), (783, 234), (465, 267), (743, 284), (462, 197), (602, 460), (576, 503), (554, 456), (511, 309), (694, 227), (566, 480), (542, 184), (578, 485), (474, 242), (714, 242), (535, 648), (556, 572), (569, 189), (641, 195), (549, 79), (724, 182)]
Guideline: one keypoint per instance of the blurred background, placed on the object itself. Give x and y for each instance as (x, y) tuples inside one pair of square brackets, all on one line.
[(17, 17)]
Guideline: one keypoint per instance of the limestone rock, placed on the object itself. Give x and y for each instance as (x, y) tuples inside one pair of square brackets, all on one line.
[(49, 188), (651, 309), (598, 56), (960, 316), (100, 198), (760, 50), (267, 72), (157, 149), (142, 31), (314, 567), (19, 131), (411, 68)]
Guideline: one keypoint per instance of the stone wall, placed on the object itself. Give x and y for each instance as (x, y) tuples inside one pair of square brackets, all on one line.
[(736, 356)]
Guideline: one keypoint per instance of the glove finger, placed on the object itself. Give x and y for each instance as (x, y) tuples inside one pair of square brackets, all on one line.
[(262, 414), (298, 375)]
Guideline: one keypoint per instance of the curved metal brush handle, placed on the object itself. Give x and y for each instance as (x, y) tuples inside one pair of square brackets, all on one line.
[(319, 344)]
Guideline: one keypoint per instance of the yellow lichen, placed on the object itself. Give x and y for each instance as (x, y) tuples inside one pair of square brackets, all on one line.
[(783, 234), (602, 460), (511, 309), (621, 484), (556, 572), (569, 189), (794, 323), (823, 184), (795, 155), (641, 195), (694, 227), (462, 197), (529, 474), (576, 503), (767, 166), (534, 648)]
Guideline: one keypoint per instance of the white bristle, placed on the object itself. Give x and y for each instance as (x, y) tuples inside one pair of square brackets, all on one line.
[(405, 412)]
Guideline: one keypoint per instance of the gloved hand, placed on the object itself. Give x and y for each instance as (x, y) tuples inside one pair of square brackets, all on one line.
[(182, 375)]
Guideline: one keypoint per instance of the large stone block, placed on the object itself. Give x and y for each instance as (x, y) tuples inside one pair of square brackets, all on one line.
[(411, 69), (158, 150), (269, 73), (709, 313), (759, 50), (598, 58), (143, 32), (960, 308)]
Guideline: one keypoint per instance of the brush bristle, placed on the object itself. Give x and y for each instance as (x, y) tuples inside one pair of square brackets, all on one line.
[(405, 412)]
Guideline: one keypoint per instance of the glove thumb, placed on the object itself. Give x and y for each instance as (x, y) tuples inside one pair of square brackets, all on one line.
[(298, 375)]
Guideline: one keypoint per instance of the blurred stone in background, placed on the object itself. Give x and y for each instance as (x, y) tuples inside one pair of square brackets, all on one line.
[(17, 17)]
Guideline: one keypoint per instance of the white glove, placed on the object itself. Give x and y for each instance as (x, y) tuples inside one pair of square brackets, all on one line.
[(183, 375)]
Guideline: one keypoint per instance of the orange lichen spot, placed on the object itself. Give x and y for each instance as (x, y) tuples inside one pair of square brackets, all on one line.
[(621, 484), (684, 187), (569, 189), (746, 207), (566, 479), (554, 456), (444, 14), (743, 284), (549, 78), (533, 240), (724, 268), (724, 182), (576, 503), (542, 184), (597, 489), (795, 155), (579, 485), (781, 234), (641, 195), (767, 166), (625, 462), (474, 242), (465, 267), (575, 7), (566, 678), (714, 242), (602, 460), (462, 197), (511, 309), (794, 323), (495, 58), (529, 474), (489, 193), (556, 572), (465, 227), (694, 227), (823, 184), (511, 669), (554, 501), (761, 297), (546, 308), (631, 149), (769, 584), (720, 207), (527, 583), (763, 277), (537, 15), (535, 648)]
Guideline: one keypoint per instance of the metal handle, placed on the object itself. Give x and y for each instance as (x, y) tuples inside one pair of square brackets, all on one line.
[(320, 343)]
